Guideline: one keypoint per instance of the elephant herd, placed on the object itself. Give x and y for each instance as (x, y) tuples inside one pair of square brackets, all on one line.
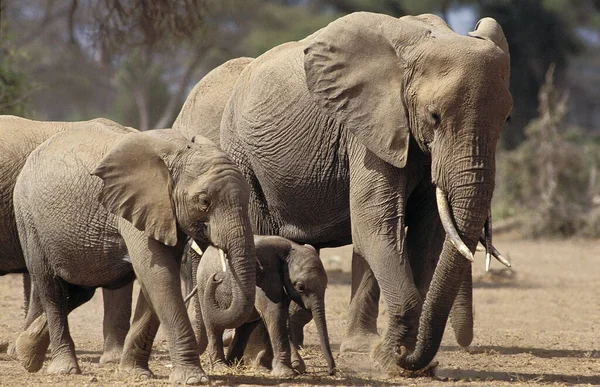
[(375, 131)]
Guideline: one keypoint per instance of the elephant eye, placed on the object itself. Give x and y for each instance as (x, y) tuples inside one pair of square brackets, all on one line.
[(300, 287), (435, 118), (434, 115), (203, 201)]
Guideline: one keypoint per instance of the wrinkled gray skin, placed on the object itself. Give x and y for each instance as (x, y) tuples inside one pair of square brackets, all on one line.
[(290, 272), (18, 138), (96, 208), (345, 136)]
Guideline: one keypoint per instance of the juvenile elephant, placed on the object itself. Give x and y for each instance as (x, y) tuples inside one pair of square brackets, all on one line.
[(379, 132), (97, 208), (286, 271), (18, 138)]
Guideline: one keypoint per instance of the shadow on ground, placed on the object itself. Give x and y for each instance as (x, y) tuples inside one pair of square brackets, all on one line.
[(537, 352)]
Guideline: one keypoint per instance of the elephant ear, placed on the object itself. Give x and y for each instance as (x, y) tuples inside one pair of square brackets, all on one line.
[(138, 185), (354, 72), (489, 29)]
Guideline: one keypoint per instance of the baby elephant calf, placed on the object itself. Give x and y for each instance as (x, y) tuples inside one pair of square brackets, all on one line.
[(286, 271)]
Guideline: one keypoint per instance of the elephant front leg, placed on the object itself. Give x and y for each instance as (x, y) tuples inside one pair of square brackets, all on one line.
[(157, 269), (361, 330), (299, 317), (378, 194), (275, 316), (117, 313)]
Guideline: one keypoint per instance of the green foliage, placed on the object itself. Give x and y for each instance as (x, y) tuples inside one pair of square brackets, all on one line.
[(537, 37), (15, 85), (549, 180)]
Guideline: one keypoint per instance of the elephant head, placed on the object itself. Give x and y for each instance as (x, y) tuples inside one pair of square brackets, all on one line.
[(170, 188), (394, 82)]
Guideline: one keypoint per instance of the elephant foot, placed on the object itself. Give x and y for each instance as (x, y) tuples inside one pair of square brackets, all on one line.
[(228, 337), (111, 356), (64, 365), (282, 371), (32, 344), (188, 375), (298, 365), (359, 342), (387, 359), (11, 351), (137, 371)]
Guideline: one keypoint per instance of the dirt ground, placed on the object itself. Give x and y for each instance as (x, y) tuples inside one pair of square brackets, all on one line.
[(537, 324)]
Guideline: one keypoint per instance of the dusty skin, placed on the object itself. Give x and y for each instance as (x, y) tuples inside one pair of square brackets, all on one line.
[(539, 324)]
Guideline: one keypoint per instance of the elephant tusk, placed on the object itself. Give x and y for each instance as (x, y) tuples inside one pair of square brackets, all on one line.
[(196, 248), (448, 223), (189, 296), (496, 254), (223, 260)]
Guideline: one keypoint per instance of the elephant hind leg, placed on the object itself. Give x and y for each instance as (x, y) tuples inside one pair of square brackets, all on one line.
[(361, 332), (54, 296), (237, 346), (32, 344), (138, 343), (117, 313)]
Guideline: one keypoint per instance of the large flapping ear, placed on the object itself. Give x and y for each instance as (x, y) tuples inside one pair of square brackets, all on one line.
[(489, 29), (138, 184), (355, 73)]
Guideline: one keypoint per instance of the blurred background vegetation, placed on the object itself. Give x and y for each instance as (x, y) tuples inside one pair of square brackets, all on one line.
[(134, 61)]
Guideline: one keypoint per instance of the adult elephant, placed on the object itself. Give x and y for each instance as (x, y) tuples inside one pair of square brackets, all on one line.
[(365, 131), (18, 138), (96, 208)]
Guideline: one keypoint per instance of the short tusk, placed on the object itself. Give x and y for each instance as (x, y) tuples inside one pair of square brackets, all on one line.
[(223, 260), (448, 223), (196, 248), (496, 254), (189, 296)]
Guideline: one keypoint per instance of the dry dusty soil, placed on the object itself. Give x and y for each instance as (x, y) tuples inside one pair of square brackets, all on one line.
[(538, 324)]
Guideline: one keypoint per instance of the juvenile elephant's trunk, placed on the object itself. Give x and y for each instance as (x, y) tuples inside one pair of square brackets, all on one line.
[(241, 273), (470, 203), (318, 312)]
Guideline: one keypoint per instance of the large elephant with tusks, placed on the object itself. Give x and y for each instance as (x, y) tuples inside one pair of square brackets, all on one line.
[(379, 132)]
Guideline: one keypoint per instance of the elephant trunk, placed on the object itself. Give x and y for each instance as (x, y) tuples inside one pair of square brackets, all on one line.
[(318, 312), (241, 273), (470, 202)]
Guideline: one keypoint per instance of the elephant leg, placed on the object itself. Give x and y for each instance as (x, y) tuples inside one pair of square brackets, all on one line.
[(215, 350), (54, 295), (33, 309), (139, 340), (378, 195), (32, 344), (299, 317), (157, 269), (275, 316), (237, 345), (117, 313), (258, 350), (361, 330), (462, 313)]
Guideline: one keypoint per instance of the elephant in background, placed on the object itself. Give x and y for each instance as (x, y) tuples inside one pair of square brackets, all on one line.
[(286, 271), (18, 138), (379, 132), (98, 208)]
